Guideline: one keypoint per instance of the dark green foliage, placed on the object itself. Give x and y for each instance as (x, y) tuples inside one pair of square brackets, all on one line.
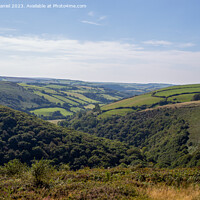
[(41, 172), (163, 134), (27, 138), (97, 108), (196, 97), (14, 167)]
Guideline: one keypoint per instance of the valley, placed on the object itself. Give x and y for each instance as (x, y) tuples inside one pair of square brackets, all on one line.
[(142, 147), (52, 99)]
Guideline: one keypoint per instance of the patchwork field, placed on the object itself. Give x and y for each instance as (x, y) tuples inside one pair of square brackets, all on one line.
[(35, 95), (68, 99), (170, 95), (49, 111)]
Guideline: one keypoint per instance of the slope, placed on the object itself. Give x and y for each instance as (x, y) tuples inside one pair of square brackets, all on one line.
[(16, 97), (59, 98), (168, 135), (26, 138), (170, 95)]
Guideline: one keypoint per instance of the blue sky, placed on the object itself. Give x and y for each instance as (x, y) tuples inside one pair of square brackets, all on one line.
[(109, 40)]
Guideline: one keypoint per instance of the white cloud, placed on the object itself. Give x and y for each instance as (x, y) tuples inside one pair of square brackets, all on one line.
[(92, 23), (158, 42), (167, 43), (102, 18), (91, 13), (5, 30), (95, 61), (95, 18), (185, 45)]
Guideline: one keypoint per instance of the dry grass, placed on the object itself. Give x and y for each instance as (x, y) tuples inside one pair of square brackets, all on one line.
[(170, 193), (105, 184)]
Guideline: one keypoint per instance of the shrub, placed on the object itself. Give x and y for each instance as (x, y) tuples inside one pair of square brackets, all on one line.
[(196, 97), (14, 167), (41, 172), (64, 167)]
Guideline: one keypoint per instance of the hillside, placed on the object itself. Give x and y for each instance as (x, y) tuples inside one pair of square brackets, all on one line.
[(169, 95), (127, 89), (156, 137), (26, 138), (168, 135), (58, 98), (16, 97), (68, 99)]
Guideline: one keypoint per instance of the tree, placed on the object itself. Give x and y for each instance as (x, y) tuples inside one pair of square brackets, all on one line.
[(97, 108), (196, 97)]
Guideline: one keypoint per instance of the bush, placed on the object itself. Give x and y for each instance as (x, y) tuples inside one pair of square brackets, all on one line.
[(64, 167), (41, 172), (196, 97), (14, 167)]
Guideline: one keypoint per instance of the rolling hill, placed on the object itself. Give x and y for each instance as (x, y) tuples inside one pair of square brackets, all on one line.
[(157, 137), (16, 97), (169, 95), (58, 98), (26, 138), (162, 123)]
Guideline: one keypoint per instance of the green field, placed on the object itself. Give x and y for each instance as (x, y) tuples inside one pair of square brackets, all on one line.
[(110, 97), (66, 100), (37, 88), (81, 97), (76, 99), (49, 98), (30, 94), (181, 98), (168, 93), (49, 111), (75, 109), (145, 99), (55, 86), (174, 94), (90, 106), (67, 95)]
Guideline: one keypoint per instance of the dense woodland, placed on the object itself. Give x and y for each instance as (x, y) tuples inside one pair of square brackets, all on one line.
[(26, 138), (164, 135)]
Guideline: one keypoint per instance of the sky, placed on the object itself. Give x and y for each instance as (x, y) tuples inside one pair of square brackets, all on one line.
[(132, 41)]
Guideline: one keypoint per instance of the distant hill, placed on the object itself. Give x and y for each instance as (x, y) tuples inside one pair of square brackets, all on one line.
[(26, 138), (127, 89), (58, 98), (17, 97), (169, 95)]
